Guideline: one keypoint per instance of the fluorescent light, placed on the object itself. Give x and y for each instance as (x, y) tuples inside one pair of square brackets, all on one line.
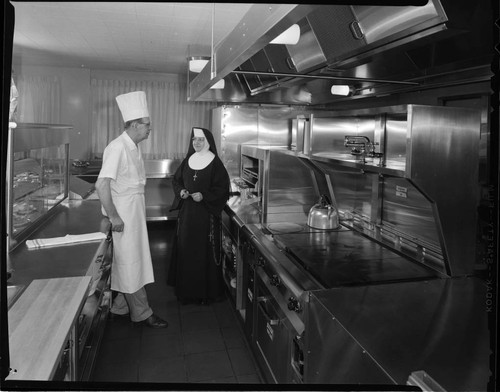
[(340, 89), (196, 64), (219, 85), (288, 37)]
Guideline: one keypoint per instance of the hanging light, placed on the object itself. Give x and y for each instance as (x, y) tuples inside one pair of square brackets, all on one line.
[(289, 37), (220, 84), (197, 63), (341, 89)]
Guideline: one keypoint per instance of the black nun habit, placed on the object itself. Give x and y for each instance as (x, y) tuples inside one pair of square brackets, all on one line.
[(195, 270)]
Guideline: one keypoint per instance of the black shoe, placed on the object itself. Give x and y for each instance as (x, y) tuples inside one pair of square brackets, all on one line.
[(154, 321)]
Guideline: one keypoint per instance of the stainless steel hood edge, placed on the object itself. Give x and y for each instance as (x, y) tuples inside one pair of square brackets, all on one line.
[(260, 25)]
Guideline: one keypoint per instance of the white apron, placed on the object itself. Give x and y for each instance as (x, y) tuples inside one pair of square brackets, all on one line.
[(132, 267)]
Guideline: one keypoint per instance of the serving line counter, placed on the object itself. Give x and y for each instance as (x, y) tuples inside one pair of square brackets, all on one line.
[(73, 217), (48, 351), (54, 273)]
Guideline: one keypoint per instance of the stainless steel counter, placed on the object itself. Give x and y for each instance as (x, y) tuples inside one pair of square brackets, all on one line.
[(72, 217), (243, 211), (368, 334), (158, 192)]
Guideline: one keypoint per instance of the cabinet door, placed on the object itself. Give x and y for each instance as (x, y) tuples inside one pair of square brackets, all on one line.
[(248, 287), (66, 368), (272, 337)]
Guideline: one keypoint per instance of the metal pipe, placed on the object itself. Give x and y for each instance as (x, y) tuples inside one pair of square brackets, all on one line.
[(291, 75)]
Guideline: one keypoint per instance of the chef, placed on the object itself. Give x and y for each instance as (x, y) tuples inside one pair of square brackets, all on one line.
[(120, 187)]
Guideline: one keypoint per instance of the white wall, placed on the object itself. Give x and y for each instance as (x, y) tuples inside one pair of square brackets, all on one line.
[(75, 102), (75, 98)]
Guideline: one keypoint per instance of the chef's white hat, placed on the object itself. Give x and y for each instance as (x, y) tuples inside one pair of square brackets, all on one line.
[(133, 105)]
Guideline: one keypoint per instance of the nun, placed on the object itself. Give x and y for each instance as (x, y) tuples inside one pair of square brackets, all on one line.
[(201, 188)]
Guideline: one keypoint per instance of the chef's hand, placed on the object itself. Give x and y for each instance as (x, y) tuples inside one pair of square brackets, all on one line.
[(184, 194), (117, 224), (197, 196)]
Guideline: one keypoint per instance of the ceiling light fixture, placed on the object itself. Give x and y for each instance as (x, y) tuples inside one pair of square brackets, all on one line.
[(197, 63), (341, 89), (289, 37)]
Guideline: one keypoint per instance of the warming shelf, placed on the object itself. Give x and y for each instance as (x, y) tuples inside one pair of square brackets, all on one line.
[(405, 141)]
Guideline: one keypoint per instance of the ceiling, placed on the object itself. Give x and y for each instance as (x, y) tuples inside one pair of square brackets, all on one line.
[(128, 36), (159, 36)]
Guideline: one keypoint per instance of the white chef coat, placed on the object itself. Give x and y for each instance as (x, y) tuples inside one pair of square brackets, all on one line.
[(132, 267)]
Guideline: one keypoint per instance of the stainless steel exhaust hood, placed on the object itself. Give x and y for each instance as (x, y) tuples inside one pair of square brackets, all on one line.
[(375, 48), (339, 35)]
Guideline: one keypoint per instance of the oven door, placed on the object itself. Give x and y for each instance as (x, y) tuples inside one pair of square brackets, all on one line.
[(273, 333), (229, 262), (248, 288)]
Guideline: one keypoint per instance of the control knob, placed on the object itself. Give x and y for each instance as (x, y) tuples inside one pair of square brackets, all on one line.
[(259, 262), (275, 280), (293, 304)]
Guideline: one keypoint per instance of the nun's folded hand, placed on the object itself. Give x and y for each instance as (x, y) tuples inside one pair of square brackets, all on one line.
[(184, 194), (197, 196)]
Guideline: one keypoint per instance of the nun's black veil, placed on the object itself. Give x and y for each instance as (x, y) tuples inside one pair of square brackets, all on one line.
[(209, 138)]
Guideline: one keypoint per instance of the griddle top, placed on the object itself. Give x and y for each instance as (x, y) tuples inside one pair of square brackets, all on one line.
[(345, 257)]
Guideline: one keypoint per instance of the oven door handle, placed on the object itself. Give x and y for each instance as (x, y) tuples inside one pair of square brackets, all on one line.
[(263, 310)]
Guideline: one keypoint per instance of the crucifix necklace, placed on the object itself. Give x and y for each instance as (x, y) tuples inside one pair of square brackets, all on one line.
[(195, 175)]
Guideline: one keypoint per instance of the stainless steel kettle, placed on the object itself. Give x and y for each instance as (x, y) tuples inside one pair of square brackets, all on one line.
[(323, 215)]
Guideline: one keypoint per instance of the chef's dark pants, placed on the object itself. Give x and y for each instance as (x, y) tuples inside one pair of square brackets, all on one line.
[(136, 304)]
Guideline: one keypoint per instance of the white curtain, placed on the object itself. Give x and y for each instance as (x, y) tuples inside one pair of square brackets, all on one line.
[(39, 99), (172, 117)]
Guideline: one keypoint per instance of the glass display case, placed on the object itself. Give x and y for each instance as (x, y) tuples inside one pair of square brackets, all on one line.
[(37, 176)]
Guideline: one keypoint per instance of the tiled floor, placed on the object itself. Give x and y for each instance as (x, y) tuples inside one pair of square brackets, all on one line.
[(203, 344)]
